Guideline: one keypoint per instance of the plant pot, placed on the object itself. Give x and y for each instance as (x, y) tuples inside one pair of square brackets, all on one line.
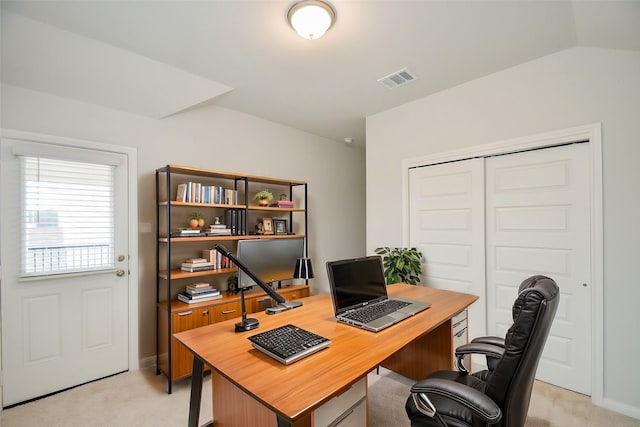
[(193, 223), (263, 202)]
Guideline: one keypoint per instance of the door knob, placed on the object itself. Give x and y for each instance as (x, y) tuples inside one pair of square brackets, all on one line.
[(120, 273), (120, 258)]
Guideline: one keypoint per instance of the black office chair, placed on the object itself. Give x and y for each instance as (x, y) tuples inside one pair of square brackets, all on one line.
[(499, 395)]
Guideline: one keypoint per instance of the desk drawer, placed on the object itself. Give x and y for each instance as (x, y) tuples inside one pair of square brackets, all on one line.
[(356, 416), (337, 411)]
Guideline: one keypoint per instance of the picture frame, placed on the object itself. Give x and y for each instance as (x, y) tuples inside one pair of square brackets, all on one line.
[(267, 226), (280, 226)]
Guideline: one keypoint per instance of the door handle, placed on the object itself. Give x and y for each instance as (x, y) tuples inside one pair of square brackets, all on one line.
[(120, 273)]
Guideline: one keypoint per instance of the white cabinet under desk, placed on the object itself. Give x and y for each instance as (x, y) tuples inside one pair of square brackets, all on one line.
[(348, 409), (460, 334)]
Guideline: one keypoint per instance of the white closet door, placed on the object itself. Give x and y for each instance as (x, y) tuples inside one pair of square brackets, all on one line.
[(537, 212), (447, 224)]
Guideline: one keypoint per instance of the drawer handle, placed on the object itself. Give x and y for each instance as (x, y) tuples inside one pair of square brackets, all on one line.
[(185, 313), (343, 417), (205, 313), (459, 323), (228, 311), (461, 333), (346, 414)]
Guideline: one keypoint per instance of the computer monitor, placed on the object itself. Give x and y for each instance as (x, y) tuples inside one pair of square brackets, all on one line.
[(270, 259)]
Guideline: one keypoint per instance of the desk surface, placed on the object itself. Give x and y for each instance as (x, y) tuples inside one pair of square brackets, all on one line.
[(299, 388)]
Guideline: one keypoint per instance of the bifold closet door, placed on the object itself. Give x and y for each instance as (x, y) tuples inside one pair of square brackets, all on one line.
[(484, 225), (538, 222), (446, 216)]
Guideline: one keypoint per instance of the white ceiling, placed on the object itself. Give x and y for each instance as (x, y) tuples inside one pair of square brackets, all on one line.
[(158, 58)]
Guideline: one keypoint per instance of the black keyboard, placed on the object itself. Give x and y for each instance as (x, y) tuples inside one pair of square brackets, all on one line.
[(288, 343), (375, 311)]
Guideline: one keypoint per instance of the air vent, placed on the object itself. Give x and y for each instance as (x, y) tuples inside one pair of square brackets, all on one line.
[(398, 78)]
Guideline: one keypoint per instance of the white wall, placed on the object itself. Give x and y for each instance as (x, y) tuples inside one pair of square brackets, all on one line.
[(571, 88), (220, 139)]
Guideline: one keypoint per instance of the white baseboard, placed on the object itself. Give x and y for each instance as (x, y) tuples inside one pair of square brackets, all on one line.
[(147, 362), (621, 408)]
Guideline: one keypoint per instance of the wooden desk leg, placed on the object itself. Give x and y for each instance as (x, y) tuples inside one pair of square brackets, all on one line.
[(196, 391)]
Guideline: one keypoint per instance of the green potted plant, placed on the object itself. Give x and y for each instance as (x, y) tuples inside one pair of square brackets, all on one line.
[(401, 264), (196, 220), (264, 197)]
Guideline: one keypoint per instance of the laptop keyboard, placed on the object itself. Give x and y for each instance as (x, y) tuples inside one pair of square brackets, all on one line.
[(375, 311), (288, 343)]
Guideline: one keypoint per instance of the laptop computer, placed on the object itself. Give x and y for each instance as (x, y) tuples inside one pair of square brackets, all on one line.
[(358, 287)]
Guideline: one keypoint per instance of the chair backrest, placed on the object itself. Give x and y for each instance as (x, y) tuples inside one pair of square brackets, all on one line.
[(512, 380)]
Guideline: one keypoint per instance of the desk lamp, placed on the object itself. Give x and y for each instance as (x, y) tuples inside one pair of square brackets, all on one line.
[(304, 269)]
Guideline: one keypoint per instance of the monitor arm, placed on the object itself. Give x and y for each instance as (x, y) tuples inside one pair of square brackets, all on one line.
[(286, 305)]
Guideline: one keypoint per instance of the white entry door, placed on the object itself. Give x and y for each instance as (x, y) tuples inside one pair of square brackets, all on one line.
[(538, 222), (446, 217), (65, 263)]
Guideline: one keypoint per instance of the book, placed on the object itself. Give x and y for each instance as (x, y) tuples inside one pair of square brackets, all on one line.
[(199, 285), (198, 234), (219, 232), (194, 260), (189, 230), (209, 255), (282, 204), (192, 268), (181, 193), (195, 293), (197, 264), (201, 292), (186, 298)]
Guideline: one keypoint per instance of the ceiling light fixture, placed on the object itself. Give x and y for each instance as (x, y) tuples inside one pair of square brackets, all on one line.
[(311, 18)]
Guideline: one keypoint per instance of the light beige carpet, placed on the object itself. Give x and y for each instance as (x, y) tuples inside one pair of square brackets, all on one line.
[(139, 399)]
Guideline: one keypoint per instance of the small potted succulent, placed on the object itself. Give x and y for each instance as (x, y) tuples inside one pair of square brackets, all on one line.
[(196, 220), (264, 197)]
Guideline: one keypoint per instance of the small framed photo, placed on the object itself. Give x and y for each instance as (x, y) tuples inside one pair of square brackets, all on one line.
[(280, 226), (267, 225)]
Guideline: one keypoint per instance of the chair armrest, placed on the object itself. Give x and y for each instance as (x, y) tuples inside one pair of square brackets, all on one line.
[(489, 350), (492, 352), (499, 341), (479, 403)]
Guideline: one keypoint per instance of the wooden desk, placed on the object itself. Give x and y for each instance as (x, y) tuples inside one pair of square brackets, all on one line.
[(249, 387)]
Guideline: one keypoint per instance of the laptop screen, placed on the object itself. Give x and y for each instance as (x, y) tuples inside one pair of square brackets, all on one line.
[(356, 281)]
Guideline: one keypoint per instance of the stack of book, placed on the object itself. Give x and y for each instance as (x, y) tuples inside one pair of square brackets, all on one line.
[(199, 292), (219, 230), (188, 232), (283, 204), (191, 265)]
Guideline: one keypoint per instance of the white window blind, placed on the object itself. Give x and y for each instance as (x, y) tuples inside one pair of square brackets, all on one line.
[(68, 223)]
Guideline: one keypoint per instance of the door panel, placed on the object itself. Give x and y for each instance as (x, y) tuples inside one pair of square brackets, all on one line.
[(61, 330), (534, 208), (446, 216), (538, 223)]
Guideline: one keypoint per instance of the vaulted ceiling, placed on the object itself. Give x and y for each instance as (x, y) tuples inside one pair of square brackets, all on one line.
[(158, 58)]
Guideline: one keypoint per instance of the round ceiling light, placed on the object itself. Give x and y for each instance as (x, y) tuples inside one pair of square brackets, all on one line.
[(311, 18)]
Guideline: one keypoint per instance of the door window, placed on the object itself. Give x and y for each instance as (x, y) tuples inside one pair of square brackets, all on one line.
[(68, 222)]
